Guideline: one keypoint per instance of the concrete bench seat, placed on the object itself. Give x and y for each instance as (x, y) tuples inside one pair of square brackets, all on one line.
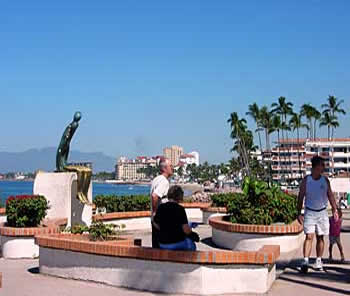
[(176, 272)]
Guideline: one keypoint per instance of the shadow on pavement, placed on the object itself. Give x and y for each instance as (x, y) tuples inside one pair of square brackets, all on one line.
[(34, 270), (315, 285)]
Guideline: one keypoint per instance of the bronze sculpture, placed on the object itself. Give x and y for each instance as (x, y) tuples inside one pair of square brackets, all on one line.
[(63, 148), (83, 173)]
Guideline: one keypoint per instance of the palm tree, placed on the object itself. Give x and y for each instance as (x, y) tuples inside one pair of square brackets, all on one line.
[(283, 108), (254, 112), (329, 120), (277, 126), (307, 110), (333, 108), (266, 124), (317, 117), (296, 123), (238, 131)]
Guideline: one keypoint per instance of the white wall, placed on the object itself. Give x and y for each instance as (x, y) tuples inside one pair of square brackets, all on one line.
[(156, 276)]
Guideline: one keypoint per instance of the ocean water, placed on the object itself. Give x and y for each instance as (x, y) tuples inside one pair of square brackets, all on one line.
[(8, 188)]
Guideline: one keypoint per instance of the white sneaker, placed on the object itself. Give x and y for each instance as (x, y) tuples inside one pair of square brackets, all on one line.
[(318, 264)]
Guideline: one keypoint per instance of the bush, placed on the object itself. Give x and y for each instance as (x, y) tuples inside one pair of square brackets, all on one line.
[(26, 210), (98, 231), (261, 204), (114, 203), (222, 199)]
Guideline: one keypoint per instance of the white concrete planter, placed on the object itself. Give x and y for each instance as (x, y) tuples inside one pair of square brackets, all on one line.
[(252, 237), (17, 243), (14, 247), (212, 212), (140, 220)]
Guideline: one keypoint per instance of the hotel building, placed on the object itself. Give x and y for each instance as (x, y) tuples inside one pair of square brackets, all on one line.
[(291, 159), (173, 153), (128, 169)]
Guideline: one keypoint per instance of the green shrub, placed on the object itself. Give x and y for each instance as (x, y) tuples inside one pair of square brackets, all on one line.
[(222, 199), (26, 210), (261, 204), (114, 203), (98, 231)]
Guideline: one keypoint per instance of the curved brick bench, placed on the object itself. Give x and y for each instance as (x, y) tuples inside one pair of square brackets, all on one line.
[(212, 212), (19, 242), (141, 219), (201, 272), (252, 237)]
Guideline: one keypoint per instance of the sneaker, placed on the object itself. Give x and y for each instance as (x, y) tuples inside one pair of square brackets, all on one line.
[(318, 264), (304, 267)]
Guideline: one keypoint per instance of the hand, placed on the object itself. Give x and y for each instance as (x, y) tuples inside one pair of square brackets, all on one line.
[(335, 215), (301, 219), (193, 224)]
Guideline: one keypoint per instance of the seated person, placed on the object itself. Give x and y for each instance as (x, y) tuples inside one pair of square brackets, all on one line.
[(171, 220)]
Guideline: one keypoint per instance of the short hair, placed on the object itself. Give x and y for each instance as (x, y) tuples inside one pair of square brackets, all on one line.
[(163, 163), (176, 193), (316, 161)]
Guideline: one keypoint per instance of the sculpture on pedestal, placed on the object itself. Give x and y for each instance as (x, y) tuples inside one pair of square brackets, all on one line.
[(83, 173)]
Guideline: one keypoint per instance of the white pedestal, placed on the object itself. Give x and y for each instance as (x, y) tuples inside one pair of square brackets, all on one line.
[(60, 189)]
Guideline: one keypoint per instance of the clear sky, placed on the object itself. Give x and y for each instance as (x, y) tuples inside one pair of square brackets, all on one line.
[(146, 74)]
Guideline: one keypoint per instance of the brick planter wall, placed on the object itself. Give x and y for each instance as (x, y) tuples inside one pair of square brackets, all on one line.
[(19, 242), (252, 237), (219, 223)]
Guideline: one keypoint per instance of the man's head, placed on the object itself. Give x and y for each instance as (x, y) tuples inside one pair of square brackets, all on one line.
[(176, 193), (317, 165), (166, 167)]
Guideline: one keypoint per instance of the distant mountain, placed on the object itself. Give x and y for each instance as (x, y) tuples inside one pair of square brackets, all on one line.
[(45, 159)]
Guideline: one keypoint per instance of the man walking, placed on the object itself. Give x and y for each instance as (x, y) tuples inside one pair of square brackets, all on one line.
[(159, 191), (317, 192)]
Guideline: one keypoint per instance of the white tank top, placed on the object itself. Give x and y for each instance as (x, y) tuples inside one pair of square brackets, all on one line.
[(316, 197)]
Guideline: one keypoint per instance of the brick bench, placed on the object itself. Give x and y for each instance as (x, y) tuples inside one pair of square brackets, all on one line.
[(126, 265)]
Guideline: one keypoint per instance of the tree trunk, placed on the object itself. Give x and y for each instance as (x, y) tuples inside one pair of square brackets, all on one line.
[(260, 145), (279, 154), (298, 155), (315, 133)]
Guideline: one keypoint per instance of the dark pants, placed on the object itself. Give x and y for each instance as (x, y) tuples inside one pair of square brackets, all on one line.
[(155, 237)]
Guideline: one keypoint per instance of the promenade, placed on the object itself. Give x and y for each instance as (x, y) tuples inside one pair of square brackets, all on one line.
[(21, 277)]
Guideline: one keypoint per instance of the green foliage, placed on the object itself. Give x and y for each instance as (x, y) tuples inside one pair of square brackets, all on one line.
[(222, 199), (78, 229), (261, 204), (149, 171), (98, 231), (26, 210), (104, 176), (114, 203)]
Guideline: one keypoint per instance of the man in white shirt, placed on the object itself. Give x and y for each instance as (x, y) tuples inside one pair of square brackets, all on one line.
[(159, 191)]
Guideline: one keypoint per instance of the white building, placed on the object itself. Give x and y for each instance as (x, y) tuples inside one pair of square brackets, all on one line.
[(190, 158)]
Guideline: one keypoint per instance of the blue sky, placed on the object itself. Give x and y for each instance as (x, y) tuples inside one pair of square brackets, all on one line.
[(146, 74)]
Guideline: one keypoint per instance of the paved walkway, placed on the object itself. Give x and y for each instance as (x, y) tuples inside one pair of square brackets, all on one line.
[(21, 277)]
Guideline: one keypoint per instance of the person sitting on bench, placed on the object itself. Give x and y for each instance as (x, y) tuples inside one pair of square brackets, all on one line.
[(171, 220)]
